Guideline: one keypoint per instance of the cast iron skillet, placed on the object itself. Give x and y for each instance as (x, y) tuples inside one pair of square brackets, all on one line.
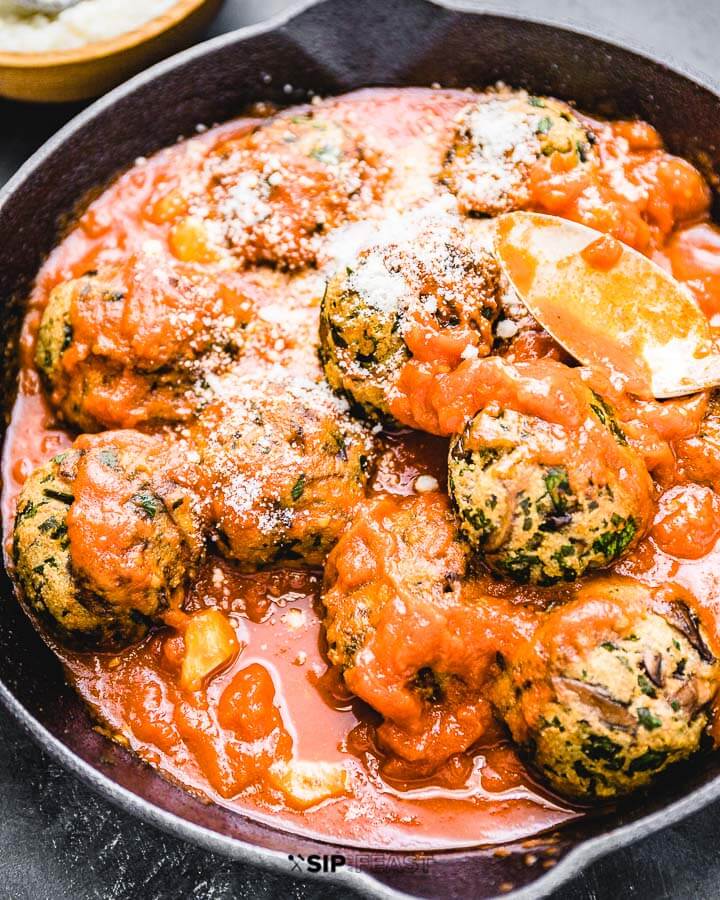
[(327, 48)]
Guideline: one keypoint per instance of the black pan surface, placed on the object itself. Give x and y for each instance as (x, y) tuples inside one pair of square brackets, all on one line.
[(327, 48)]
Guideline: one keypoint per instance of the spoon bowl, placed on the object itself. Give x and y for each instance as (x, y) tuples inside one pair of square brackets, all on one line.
[(608, 305)]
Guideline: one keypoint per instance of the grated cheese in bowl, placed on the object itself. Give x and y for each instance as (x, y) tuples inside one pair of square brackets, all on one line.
[(86, 23)]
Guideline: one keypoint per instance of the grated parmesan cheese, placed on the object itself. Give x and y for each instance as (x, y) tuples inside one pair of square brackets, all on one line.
[(85, 23)]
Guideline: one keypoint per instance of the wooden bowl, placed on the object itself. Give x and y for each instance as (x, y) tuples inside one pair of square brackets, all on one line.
[(93, 69)]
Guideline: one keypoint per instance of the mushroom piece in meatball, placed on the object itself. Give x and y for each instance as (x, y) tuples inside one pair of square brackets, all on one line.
[(106, 536), (426, 291), (498, 138), (286, 466), (274, 193), (612, 688), (135, 342), (543, 502)]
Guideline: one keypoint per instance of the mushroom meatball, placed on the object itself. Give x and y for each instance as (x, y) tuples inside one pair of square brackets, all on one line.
[(134, 343), (407, 640), (276, 191), (106, 536), (415, 635), (498, 139), (543, 502), (417, 552), (286, 465), (425, 291), (612, 688)]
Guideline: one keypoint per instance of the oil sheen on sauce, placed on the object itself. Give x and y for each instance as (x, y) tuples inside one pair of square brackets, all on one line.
[(278, 698)]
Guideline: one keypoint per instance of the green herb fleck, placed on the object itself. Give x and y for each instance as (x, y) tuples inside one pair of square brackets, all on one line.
[(108, 457), (28, 511), (650, 759), (557, 485), (647, 719), (606, 414), (53, 526), (611, 544), (298, 488), (646, 687), (600, 747), (148, 502)]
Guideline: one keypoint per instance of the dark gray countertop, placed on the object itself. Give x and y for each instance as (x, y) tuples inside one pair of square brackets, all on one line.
[(58, 840)]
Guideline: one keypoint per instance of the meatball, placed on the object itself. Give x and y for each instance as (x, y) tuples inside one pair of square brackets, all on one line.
[(286, 466), (275, 192), (106, 536), (135, 342), (542, 502), (408, 639), (612, 688), (417, 552), (498, 138), (426, 291)]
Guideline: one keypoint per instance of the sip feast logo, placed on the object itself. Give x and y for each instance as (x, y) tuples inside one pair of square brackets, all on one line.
[(316, 862)]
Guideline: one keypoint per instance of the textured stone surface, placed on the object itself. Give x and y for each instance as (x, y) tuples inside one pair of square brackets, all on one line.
[(58, 840)]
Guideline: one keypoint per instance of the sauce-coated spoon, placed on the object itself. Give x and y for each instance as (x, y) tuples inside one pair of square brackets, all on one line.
[(608, 305)]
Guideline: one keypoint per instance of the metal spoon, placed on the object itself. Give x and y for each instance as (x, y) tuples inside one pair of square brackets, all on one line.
[(48, 7), (608, 305)]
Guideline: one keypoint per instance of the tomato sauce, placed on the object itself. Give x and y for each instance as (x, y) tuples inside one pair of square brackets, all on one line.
[(245, 736)]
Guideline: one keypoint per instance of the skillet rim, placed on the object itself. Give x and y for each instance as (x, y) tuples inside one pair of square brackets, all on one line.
[(588, 849)]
